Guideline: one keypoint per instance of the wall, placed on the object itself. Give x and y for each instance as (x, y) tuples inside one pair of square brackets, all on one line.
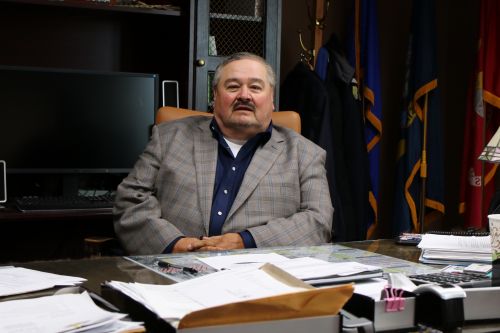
[(456, 33)]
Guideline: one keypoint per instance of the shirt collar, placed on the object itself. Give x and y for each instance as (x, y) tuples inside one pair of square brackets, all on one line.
[(261, 137)]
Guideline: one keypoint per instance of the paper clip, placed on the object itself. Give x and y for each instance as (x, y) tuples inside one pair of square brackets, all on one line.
[(394, 300)]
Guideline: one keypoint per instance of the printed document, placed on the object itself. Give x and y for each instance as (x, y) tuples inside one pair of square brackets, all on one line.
[(18, 280), (61, 313), (311, 270), (172, 302), (450, 249)]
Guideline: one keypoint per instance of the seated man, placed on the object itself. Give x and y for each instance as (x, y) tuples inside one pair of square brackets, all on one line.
[(229, 181)]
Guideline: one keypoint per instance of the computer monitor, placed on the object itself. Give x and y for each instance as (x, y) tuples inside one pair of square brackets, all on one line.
[(55, 121)]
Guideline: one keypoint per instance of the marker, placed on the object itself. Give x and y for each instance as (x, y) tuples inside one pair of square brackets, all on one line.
[(166, 264)]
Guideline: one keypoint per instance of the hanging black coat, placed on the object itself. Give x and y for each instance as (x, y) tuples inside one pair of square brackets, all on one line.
[(303, 91), (332, 117)]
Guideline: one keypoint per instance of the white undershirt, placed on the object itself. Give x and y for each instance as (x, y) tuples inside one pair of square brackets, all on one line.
[(235, 145)]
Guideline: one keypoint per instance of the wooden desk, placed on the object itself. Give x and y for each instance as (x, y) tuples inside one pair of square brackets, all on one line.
[(98, 270)]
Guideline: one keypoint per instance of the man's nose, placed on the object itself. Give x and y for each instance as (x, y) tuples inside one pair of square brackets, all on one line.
[(244, 93)]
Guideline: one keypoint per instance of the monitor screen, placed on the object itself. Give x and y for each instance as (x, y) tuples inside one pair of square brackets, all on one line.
[(66, 121)]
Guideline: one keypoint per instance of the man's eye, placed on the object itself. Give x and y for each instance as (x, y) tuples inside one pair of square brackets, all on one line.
[(256, 88), (232, 87)]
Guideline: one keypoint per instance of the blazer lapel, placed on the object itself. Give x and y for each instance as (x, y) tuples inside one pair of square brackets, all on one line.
[(262, 161), (205, 158)]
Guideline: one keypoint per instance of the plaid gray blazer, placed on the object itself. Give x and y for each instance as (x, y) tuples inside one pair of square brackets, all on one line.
[(283, 199)]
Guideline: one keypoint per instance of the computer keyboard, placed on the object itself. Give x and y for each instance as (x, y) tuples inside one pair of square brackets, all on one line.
[(463, 279), (64, 203)]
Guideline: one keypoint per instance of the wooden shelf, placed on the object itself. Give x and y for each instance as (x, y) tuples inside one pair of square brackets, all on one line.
[(175, 11)]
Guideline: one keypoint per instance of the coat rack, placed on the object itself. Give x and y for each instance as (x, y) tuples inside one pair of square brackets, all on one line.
[(318, 23)]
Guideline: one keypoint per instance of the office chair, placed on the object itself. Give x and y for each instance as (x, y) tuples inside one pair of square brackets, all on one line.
[(288, 119)]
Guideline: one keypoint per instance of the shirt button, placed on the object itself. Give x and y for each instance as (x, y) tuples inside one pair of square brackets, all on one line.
[(225, 191), (219, 213), (234, 168)]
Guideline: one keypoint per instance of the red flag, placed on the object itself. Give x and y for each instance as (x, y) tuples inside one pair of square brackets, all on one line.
[(477, 179)]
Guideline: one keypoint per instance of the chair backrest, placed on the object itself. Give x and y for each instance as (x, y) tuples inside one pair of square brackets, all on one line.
[(289, 119)]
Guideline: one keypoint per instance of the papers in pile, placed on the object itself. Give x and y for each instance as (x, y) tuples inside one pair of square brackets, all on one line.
[(450, 249), (18, 280), (61, 313), (313, 271), (271, 291), (172, 302)]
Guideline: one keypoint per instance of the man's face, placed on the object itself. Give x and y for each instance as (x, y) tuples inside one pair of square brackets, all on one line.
[(243, 99)]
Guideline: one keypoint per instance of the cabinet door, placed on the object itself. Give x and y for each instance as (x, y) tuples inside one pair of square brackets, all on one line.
[(223, 27)]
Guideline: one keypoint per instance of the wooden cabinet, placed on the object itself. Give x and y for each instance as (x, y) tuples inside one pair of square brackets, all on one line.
[(223, 27), (90, 36), (169, 42)]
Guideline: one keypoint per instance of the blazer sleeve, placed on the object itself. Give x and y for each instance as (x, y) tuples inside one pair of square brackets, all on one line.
[(137, 213)]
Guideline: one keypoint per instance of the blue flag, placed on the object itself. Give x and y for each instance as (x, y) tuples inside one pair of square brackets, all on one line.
[(420, 164), (364, 57)]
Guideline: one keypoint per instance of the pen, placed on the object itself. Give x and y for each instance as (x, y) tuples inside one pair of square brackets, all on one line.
[(166, 264)]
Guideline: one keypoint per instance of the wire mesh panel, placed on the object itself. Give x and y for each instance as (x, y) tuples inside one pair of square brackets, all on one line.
[(237, 26)]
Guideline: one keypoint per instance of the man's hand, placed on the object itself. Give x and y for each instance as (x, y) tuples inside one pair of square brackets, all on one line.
[(188, 244), (230, 241)]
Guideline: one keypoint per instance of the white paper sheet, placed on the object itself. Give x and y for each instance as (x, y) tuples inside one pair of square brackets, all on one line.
[(58, 313), (18, 280), (173, 302), (307, 268), (238, 260)]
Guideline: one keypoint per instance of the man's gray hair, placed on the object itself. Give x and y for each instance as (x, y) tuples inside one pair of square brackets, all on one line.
[(271, 77)]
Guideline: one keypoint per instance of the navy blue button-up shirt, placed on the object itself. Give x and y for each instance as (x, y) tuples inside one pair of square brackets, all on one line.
[(228, 178)]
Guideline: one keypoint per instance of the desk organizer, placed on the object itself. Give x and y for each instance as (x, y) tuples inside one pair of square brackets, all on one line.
[(385, 314)]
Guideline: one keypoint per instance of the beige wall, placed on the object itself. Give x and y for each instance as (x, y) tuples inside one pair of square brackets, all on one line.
[(456, 33)]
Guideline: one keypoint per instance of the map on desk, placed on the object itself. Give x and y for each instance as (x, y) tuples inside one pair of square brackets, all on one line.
[(328, 252)]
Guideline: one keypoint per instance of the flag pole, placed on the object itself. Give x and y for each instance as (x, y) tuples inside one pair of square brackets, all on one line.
[(423, 167)]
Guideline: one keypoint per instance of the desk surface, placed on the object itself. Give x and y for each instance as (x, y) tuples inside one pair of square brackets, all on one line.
[(98, 270)]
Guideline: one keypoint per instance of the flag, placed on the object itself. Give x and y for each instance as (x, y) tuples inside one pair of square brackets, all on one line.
[(481, 121), (419, 160), (364, 57)]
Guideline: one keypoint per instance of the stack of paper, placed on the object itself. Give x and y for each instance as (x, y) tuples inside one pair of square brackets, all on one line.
[(172, 302), (450, 249), (311, 270), (61, 313), (236, 286), (18, 280)]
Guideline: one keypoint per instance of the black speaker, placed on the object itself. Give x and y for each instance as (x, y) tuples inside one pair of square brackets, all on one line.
[(170, 92), (3, 182)]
